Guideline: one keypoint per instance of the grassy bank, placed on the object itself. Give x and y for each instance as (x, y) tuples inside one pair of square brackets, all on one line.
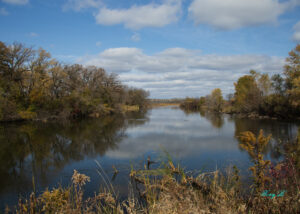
[(157, 105), (170, 189)]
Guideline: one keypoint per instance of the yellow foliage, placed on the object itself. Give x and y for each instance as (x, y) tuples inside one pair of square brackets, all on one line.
[(255, 146), (126, 108), (56, 199), (79, 179), (27, 115)]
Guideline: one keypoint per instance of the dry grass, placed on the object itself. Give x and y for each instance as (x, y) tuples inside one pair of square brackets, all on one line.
[(172, 191), (127, 108), (157, 105), (165, 190)]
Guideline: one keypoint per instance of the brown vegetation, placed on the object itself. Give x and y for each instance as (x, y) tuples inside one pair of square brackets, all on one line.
[(155, 103), (35, 86)]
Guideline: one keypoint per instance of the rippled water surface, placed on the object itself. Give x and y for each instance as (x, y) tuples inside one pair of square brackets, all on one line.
[(49, 152)]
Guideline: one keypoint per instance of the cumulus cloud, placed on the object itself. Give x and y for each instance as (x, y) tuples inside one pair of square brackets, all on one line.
[(232, 14), (3, 12), (296, 35), (16, 2), (136, 17), (179, 72), (78, 5)]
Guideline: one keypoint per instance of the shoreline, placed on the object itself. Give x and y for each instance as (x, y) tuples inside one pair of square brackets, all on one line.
[(123, 110), (250, 115)]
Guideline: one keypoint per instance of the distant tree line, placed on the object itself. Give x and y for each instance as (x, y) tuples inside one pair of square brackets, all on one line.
[(259, 94), (34, 85), (173, 100)]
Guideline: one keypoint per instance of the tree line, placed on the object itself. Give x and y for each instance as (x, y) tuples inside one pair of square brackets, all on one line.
[(34, 85), (258, 94)]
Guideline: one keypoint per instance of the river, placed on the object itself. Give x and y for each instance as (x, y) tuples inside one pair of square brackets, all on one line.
[(45, 154)]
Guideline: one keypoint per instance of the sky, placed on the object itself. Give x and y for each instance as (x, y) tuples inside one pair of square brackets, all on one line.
[(171, 48)]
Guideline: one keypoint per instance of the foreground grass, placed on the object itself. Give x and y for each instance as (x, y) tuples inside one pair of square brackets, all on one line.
[(169, 189)]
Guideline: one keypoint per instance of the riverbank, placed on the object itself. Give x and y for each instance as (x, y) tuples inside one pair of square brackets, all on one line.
[(254, 115), (105, 111), (157, 105), (250, 115)]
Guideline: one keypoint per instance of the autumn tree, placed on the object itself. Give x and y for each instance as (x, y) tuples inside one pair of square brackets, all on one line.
[(247, 94), (202, 101), (263, 82), (3, 60), (215, 101), (32, 84), (137, 97), (292, 77), (277, 83)]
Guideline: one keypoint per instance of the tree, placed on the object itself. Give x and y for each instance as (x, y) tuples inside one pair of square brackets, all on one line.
[(216, 100), (202, 101), (3, 60), (247, 94), (277, 84), (32, 84), (17, 57), (264, 84), (292, 74), (138, 97)]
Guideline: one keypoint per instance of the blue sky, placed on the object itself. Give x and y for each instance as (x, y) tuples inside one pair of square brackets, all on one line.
[(173, 48)]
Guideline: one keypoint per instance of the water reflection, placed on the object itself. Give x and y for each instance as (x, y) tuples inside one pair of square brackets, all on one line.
[(280, 131), (51, 151), (35, 149), (216, 119)]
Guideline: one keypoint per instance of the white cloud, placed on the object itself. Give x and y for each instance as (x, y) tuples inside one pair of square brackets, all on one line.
[(135, 37), (179, 72), (16, 2), (136, 17), (232, 14), (78, 5), (296, 35), (3, 12)]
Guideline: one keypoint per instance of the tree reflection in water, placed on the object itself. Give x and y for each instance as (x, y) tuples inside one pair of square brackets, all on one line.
[(216, 119), (281, 133), (35, 148)]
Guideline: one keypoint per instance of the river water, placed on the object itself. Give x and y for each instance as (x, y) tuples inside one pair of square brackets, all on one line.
[(45, 154)]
